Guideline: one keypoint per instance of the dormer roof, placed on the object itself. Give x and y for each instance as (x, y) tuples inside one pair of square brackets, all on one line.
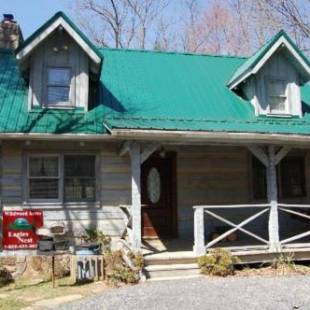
[(281, 41), (60, 19)]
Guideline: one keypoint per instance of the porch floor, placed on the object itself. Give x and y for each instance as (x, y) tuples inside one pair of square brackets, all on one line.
[(168, 249), (182, 249)]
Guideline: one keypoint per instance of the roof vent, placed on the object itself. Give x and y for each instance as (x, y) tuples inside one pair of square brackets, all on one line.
[(10, 33)]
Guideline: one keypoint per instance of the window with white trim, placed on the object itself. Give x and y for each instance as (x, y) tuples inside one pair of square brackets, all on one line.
[(71, 178), (58, 86), (277, 96), (43, 177)]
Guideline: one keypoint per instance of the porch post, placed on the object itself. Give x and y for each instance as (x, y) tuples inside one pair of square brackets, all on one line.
[(135, 196), (272, 193), (199, 232)]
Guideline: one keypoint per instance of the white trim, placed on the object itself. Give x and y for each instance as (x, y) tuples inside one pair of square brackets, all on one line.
[(60, 201), (59, 21), (281, 41), (71, 103), (28, 177), (287, 103)]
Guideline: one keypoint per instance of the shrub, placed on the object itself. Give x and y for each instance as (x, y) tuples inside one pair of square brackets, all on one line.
[(97, 236), (218, 262), (5, 277), (117, 271), (137, 259), (284, 263)]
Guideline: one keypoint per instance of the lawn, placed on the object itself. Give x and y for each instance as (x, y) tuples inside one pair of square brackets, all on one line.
[(22, 294)]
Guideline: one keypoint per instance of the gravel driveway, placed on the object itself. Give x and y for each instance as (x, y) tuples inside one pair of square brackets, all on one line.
[(274, 293)]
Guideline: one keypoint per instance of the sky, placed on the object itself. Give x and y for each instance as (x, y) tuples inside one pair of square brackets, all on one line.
[(31, 14)]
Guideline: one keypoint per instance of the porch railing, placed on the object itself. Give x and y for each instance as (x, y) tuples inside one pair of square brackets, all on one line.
[(200, 245), (296, 210)]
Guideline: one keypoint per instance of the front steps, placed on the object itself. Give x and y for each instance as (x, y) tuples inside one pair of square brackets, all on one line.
[(161, 267)]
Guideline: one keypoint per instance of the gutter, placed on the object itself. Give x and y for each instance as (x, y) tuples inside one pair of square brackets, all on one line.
[(188, 137), (48, 136), (170, 137)]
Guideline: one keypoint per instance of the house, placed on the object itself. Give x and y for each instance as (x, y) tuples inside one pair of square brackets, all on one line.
[(198, 150)]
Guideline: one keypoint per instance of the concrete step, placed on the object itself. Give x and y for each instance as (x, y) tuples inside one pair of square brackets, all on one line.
[(170, 271), (153, 260)]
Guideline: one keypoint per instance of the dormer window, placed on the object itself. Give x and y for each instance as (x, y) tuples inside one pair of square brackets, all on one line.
[(58, 86), (277, 96), (272, 77), (59, 62)]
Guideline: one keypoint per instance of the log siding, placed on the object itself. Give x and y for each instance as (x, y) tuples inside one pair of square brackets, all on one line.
[(204, 175)]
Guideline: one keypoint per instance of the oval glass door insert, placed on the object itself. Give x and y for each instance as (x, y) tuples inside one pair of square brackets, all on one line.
[(153, 185)]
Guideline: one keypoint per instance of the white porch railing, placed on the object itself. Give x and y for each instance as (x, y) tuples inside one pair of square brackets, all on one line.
[(287, 208), (200, 245)]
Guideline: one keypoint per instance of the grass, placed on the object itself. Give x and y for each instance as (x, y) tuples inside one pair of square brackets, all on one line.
[(24, 293), (11, 304)]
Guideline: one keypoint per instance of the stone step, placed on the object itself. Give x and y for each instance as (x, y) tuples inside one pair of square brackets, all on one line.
[(169, 271)]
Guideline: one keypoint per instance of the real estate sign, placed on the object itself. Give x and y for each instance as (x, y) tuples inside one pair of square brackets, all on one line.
[(19, 229)]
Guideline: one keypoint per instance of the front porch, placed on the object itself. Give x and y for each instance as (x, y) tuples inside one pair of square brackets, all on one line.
[(255, 232)]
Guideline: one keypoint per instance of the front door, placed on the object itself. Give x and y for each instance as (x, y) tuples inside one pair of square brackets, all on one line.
[(158, 196)]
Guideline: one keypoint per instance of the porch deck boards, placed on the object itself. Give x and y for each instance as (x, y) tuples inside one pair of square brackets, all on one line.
[(175, 250)]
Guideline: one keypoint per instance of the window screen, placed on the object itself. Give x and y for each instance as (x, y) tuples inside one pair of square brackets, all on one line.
[(79, 178), (43, 177), (277, 95)]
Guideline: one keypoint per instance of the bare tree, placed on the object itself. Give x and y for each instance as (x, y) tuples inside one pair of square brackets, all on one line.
[(145, 12), (214, 29), (191, 38), (119, 23), (110, 18), (237, 27), (294, 16)]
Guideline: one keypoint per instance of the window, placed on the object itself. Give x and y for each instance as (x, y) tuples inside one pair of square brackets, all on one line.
[(259, 179), (277, 97), (43, 174), (292, 174), (58, 86), (79, 178), (71, 178)]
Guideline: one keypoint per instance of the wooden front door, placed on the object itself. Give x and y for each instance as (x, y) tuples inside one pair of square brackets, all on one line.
[(158, 196)]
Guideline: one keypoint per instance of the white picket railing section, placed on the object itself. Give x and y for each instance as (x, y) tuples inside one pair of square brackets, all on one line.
[(200, 245)]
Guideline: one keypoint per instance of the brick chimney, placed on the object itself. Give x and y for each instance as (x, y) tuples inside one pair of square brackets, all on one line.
[(10, 33)]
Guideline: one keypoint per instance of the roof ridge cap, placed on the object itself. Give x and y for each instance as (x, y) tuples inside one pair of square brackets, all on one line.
[(169, 52)]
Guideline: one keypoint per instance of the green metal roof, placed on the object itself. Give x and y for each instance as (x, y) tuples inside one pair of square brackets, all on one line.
[(147, 90), (14, 116), (252, 61), (173, 91)]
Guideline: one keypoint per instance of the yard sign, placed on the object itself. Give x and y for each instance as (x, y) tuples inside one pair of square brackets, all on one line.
[(19, 229)]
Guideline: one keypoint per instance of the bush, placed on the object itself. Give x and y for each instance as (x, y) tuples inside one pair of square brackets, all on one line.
[(218, 262), (97, 236), (117, 271), (5, 277), (284, 263), (137, 259)]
